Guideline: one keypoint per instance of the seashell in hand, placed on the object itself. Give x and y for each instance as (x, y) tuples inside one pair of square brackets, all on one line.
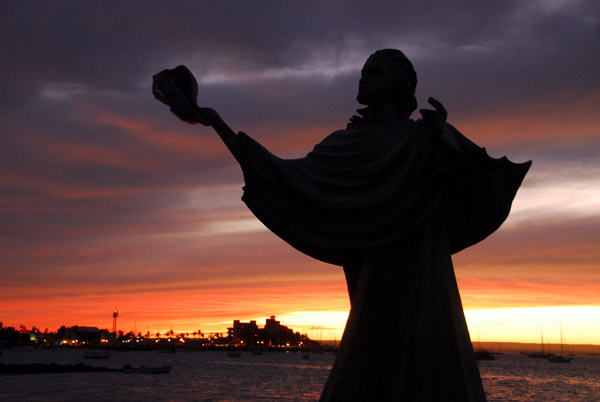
[(178, 89), (170, 84)]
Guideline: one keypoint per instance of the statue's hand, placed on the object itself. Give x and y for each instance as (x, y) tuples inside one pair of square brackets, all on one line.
[(358, 119), (435, 120), (354, 121), (178, 89)]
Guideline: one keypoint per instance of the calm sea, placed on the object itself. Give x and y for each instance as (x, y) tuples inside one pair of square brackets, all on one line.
[(274, 376)]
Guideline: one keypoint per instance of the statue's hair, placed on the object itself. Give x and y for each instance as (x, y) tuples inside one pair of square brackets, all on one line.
[(397, 61), (404, 98)]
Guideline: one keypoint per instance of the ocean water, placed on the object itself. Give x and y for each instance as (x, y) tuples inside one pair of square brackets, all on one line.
[(274, 376)]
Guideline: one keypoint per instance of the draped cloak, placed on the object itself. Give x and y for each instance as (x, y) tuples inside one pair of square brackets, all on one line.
[(390, 203), (370, 187)]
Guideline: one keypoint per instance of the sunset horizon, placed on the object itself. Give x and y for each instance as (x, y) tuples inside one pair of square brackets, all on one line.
[(512, 325)]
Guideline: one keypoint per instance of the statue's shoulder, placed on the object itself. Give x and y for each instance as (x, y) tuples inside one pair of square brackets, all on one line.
[(337, 136)]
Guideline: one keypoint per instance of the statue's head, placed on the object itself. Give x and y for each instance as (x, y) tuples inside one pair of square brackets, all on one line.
[(388, 73)]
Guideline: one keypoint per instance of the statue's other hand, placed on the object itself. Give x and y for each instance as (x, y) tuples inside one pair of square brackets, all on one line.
[(358, 119), (178, 89), (435, 120), (354, 121)]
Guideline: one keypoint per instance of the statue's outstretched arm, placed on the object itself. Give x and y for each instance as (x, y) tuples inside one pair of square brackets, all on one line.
[(228, 136), (178, 89)]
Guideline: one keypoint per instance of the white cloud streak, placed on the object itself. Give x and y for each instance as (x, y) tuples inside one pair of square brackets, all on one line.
[(564, 193)]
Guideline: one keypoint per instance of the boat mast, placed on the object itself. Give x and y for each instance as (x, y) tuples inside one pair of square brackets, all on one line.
[(561, 340)]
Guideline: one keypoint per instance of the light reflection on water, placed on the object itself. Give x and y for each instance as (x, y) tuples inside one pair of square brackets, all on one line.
[(215, 377), (519, 378)]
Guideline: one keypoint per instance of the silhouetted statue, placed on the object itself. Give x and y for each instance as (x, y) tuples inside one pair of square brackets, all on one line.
[(389, 199)]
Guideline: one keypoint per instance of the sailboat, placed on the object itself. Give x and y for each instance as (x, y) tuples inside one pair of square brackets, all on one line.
[(482, 354), (560, 358), (541, 354)]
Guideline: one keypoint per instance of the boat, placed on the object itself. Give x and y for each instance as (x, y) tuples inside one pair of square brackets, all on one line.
[(146, 370), (560, 358), (541, 355), (483, 354), (97, 354)]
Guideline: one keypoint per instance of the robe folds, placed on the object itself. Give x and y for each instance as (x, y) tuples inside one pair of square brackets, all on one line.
[(370, 187), (390, 203)]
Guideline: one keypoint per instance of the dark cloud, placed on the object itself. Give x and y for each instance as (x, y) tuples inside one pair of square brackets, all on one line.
[(551, 154), (106, 45)]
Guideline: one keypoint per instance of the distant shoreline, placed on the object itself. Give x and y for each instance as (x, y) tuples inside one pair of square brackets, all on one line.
[(518, 347)]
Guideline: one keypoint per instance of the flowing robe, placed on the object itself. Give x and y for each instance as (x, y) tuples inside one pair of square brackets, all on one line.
[(390, 203)]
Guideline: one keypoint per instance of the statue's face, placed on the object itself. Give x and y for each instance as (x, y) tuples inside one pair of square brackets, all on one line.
[(376, 82)]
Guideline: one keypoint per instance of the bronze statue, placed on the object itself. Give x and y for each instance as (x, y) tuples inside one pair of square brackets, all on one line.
[(389, 199)]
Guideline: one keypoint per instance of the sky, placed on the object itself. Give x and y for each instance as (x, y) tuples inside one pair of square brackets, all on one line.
[(109, 201)]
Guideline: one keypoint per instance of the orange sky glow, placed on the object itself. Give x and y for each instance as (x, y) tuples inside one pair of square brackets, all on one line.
[(223, 265)]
